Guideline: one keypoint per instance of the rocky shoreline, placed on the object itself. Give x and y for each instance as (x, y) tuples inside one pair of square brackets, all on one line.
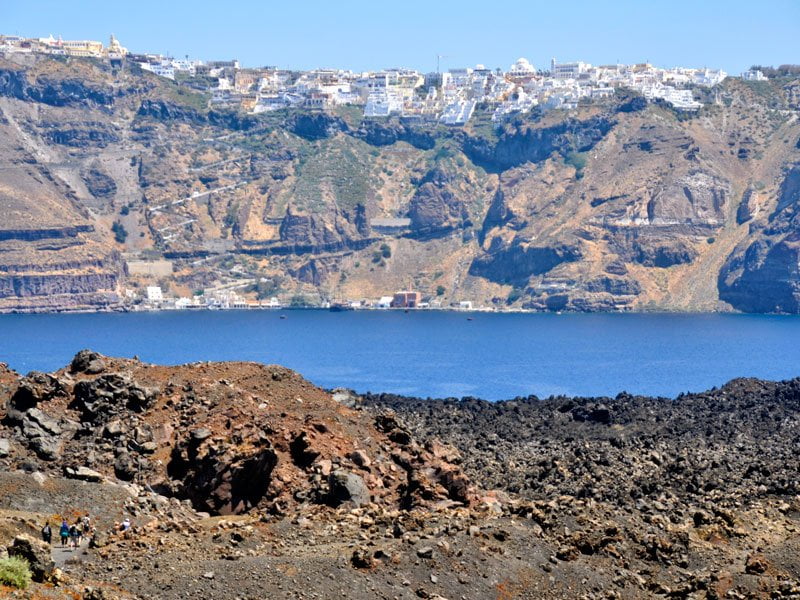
[(244, 480)]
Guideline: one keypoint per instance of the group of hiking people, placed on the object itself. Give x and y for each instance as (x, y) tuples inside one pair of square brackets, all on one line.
[(71, 535)]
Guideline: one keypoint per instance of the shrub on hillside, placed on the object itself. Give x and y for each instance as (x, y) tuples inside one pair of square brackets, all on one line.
[(120, 233), (578, 161), (15, 572)]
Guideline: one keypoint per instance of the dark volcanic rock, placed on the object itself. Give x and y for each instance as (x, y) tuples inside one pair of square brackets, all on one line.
[(348, 487), (221, 479), (316, 126), (36, 387), (746, 209), (169, 111), (762, 275), (516, 263), (379, 133), (44, 284), (529, 144), (87, 361), (99, 399), (67, 92), (435, 206), (626, 449), (764, 278), (635, 104), (614, 285), (98, 182), (85, 134), (653, 249), (36, 553)]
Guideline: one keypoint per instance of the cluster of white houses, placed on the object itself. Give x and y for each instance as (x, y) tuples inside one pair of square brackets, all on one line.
[(449, 97), (154, 298)]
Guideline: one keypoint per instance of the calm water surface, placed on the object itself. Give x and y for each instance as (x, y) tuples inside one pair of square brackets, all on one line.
[(435, 354)]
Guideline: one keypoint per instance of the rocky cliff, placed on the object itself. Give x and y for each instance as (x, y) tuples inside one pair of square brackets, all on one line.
[(617, 205)]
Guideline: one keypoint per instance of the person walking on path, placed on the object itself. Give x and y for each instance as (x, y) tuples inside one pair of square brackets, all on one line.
[(79, 528), (87, 524), (75, 536), (47, 534), (64, 533)]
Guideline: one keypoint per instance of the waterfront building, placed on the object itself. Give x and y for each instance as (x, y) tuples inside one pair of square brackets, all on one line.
[(406, 299)]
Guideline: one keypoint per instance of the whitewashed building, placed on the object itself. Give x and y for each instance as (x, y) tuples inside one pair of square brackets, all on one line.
[(753, 75), (383, 103), (458, 113), (572, 70)]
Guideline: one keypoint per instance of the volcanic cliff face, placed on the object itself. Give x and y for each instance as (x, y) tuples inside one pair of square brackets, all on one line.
[(763, 274), (618, 205)]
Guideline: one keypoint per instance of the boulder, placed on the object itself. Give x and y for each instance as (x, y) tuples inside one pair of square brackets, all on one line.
[(360, 458), (83, 473), (198, 435), (108, 395), (598, 413), (43, 433), (37, 554), (362, 559), (5, 447), (87, 362), (348, 487), (46, 448), (756, 564), (34, 388)]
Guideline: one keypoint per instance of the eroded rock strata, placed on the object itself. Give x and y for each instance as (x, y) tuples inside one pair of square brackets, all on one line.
[(617, 205)]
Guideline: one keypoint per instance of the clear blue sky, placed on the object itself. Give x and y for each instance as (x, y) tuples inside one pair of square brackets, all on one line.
[(359, 35)]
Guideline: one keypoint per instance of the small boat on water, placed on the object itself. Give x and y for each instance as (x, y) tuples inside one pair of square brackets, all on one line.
[(340, 307)]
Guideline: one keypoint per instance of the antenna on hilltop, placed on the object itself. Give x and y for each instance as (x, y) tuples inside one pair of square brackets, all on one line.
[(438, 58)]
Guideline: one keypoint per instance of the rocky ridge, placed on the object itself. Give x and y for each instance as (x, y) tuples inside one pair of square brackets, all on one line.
[(229, 470)]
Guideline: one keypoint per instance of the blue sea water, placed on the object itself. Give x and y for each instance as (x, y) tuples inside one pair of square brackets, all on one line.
[(437, 354)]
